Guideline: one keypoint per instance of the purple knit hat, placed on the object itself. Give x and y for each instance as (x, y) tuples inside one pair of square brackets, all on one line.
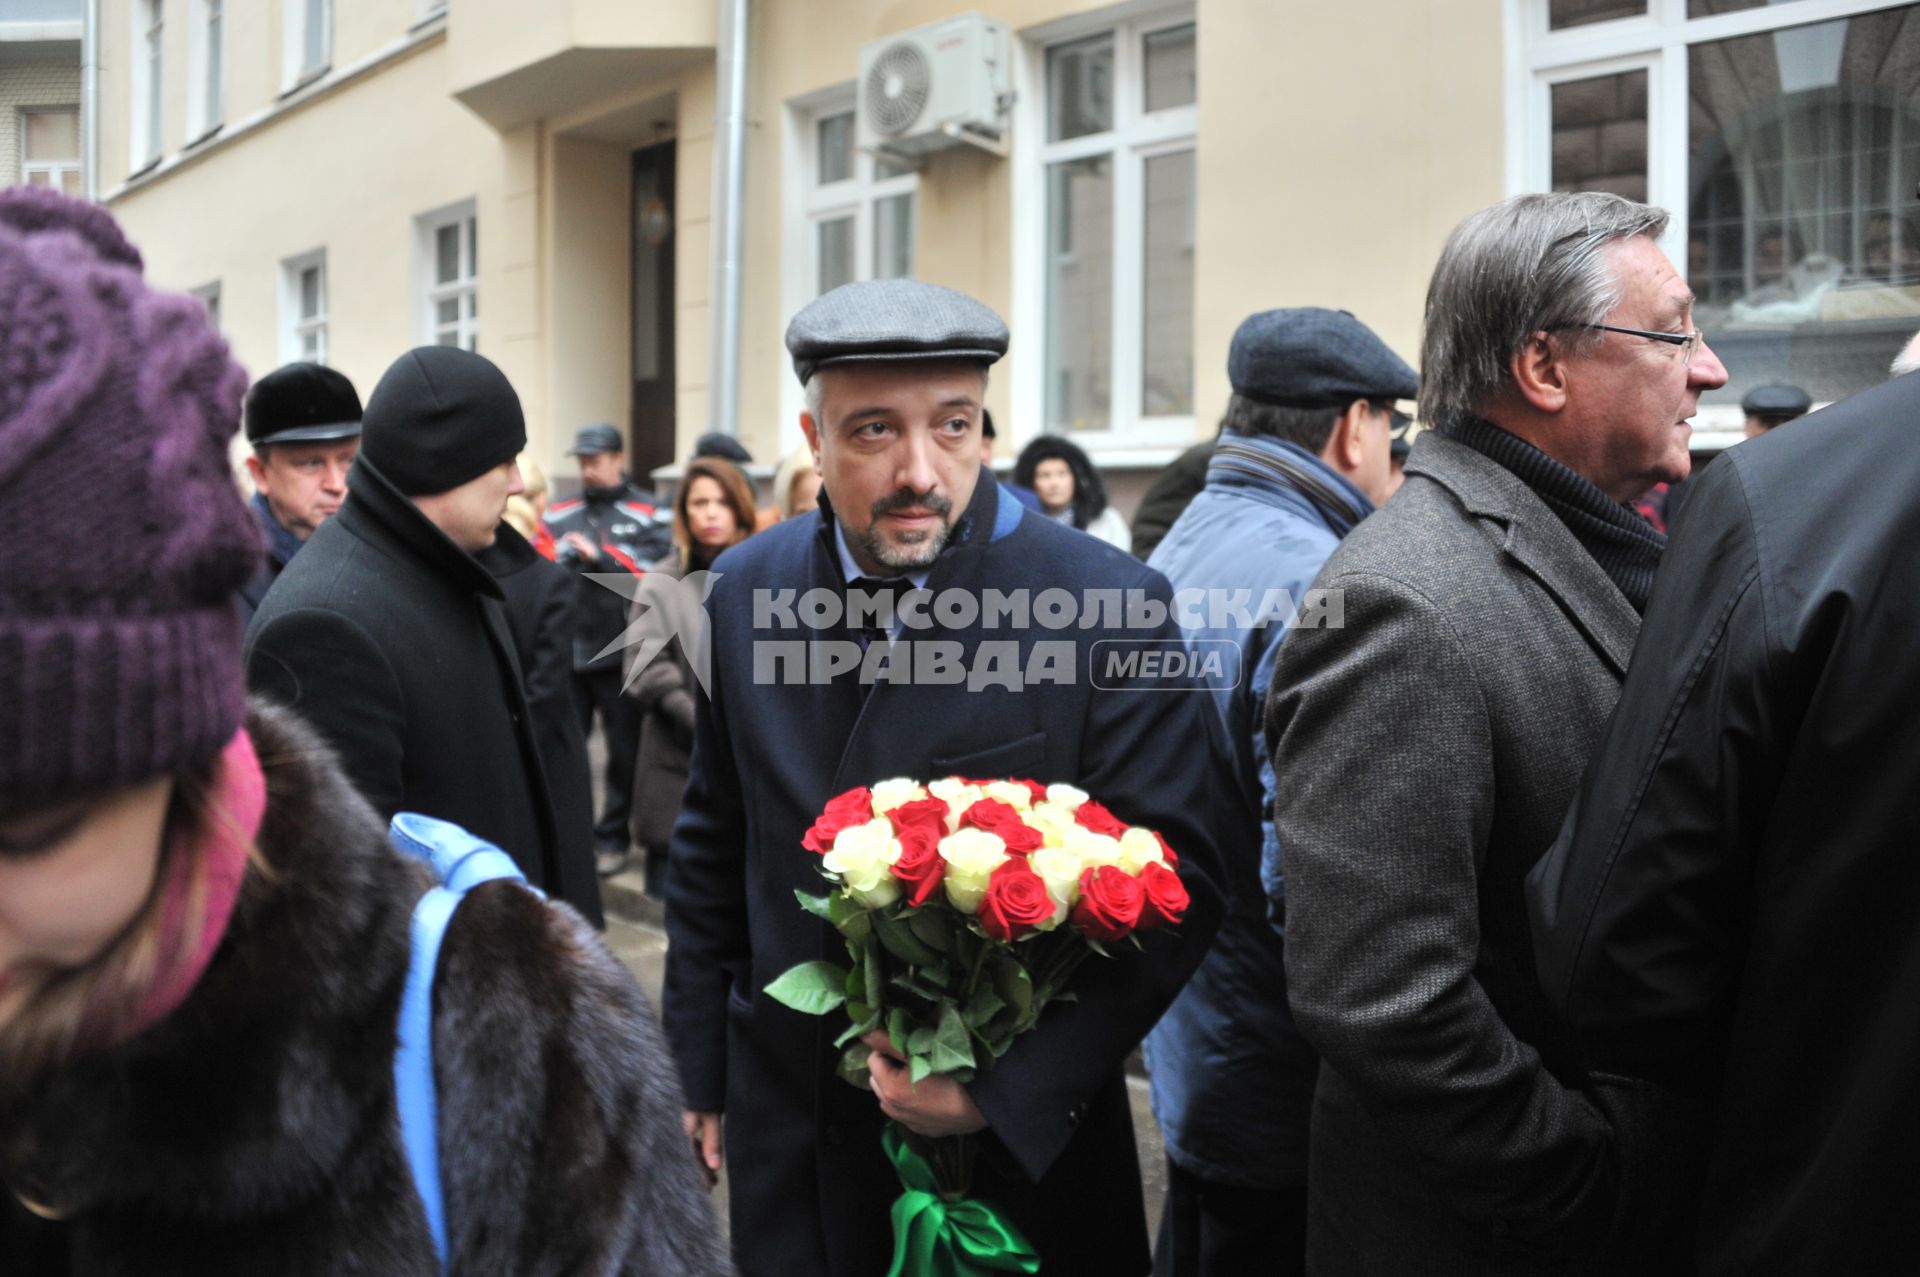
[(122, 535)]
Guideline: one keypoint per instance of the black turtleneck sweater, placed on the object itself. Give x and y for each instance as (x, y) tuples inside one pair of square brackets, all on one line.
[(1626, 546)]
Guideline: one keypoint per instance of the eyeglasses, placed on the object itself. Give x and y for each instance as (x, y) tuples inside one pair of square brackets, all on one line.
[(1688, 342)]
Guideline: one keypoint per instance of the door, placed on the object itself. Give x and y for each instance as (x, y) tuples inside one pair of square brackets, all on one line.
[(654, 401)]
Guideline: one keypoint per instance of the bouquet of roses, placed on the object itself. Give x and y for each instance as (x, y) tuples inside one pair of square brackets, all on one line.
[(967, 906)]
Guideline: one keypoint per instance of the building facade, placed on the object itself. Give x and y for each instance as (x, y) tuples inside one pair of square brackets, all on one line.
[(342, 179), (40, 93)]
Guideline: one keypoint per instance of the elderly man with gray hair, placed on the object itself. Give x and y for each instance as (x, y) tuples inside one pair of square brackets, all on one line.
[(1427, 749)]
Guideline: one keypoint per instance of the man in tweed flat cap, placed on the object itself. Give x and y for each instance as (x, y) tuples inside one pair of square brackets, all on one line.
[(895, 373), (1428, 749)]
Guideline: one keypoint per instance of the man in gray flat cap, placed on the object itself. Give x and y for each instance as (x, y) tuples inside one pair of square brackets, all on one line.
[(895, 372), (1303, 456), (1498, 594)]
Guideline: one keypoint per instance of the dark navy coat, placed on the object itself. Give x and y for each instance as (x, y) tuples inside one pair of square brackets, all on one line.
[(810, 1188)]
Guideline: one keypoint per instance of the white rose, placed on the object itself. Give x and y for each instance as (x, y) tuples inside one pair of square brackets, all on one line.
[(1066, 796), (971, 855), (862, 858), (1053, 822), (1060, 870), (1094, 850), (889, 794), (957, 795), (1018, 797), (1138, 849)]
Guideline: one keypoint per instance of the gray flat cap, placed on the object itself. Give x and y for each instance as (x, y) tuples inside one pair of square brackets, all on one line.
[(1777, 401), (591, 441), (1311, 357), (893, 319)]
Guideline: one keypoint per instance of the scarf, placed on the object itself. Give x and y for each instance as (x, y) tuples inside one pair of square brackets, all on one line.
[(1626, 546), (281, 544)]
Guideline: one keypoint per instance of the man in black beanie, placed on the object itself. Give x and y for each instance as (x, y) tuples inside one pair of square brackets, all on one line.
[(389, 636)]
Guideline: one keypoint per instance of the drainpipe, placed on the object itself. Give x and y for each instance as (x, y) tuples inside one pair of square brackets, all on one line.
[(90, 101), (729, 229)]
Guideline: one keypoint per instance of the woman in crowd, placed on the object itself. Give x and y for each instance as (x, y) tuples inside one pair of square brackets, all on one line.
[(1070, 489), (712, 510), (204, 931), (527, 509), (796, 484)]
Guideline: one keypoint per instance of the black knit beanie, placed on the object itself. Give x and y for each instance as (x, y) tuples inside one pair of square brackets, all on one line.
[(440, 417)]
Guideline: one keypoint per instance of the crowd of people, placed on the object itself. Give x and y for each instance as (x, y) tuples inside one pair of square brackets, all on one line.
[(1549, 883)]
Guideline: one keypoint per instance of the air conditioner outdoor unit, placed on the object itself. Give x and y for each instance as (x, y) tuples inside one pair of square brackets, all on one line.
[(936, 86)]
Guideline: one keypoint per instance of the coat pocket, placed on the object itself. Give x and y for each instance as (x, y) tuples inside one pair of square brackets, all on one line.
[(1024, 758)]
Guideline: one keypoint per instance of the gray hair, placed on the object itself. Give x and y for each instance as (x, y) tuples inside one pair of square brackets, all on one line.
[(1908, 360), (1528, 264)]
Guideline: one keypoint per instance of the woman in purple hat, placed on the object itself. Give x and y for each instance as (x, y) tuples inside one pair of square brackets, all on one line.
[(204, 932)]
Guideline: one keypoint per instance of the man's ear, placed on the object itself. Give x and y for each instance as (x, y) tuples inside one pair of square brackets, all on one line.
[(256, 470), (811, 429), (1346, 448), (1539, 373)]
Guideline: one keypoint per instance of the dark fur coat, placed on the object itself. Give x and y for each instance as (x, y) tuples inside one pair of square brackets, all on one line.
[(254, 1130)]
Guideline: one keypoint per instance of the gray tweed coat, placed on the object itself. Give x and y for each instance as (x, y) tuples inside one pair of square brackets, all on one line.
[(1425, 753)]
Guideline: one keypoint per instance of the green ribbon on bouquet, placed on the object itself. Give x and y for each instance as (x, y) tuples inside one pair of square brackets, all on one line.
[(933, 1237)]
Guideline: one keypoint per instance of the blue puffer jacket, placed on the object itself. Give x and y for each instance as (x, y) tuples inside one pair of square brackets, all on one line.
[(1232, 1080)]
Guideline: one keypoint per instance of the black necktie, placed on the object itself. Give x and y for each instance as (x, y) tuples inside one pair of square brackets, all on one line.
[(877, 616)]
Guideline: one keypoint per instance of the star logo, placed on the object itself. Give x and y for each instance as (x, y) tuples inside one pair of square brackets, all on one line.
[(662, 609)]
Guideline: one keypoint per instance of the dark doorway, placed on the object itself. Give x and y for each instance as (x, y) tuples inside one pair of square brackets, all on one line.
[(654, 401)]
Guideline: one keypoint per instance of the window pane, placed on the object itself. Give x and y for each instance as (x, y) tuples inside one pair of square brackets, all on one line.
[(1171, 75), (212, 103), (446, 254), (1707, 8), (1600, 135), (446, 337), (836, 253), (884, 168), (1578, 13), (314, 50), (447, 312), (310, 292), (473, 247), (1804, 243), (43, 177), (893, 236), (836, 148), (1079, 294), (1080, 88), (1166, 385), (70, 182), (52, 135)]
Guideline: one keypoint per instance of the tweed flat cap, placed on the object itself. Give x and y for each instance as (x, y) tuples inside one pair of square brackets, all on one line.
[(1312, 357), (1777, 401), (893, 319)]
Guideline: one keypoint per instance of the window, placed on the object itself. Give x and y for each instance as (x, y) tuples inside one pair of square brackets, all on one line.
[(1785, 139), (860, 208), (1117, 184), (50, 149), (449, 267), (303, 308), (143, 134), (209, 295), (307, 38), (206, 70)]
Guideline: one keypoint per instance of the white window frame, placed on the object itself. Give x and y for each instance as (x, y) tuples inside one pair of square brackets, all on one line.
[(1136, 137), (145, 143), (1657, 41), (54, 169), (428, 292), (428, 10), (808, 203), (206, 68), (209, 295), (293, 30), (294, 327)]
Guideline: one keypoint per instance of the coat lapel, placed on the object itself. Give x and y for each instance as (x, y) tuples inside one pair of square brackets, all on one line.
[(1535, 538)]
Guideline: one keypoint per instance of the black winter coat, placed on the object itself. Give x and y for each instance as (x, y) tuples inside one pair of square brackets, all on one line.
[(809, 1185), (1733, 908), (254, 1130), (539, 608), (394, 643)]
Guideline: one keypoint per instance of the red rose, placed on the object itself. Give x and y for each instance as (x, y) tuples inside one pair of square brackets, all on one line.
[(920, 868), (855, 807), (1091, 815), (1110, 903), (1166, 897), (1173, 860), (1016, 902), (1035, 788), (1001, 820), (928, 811)]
